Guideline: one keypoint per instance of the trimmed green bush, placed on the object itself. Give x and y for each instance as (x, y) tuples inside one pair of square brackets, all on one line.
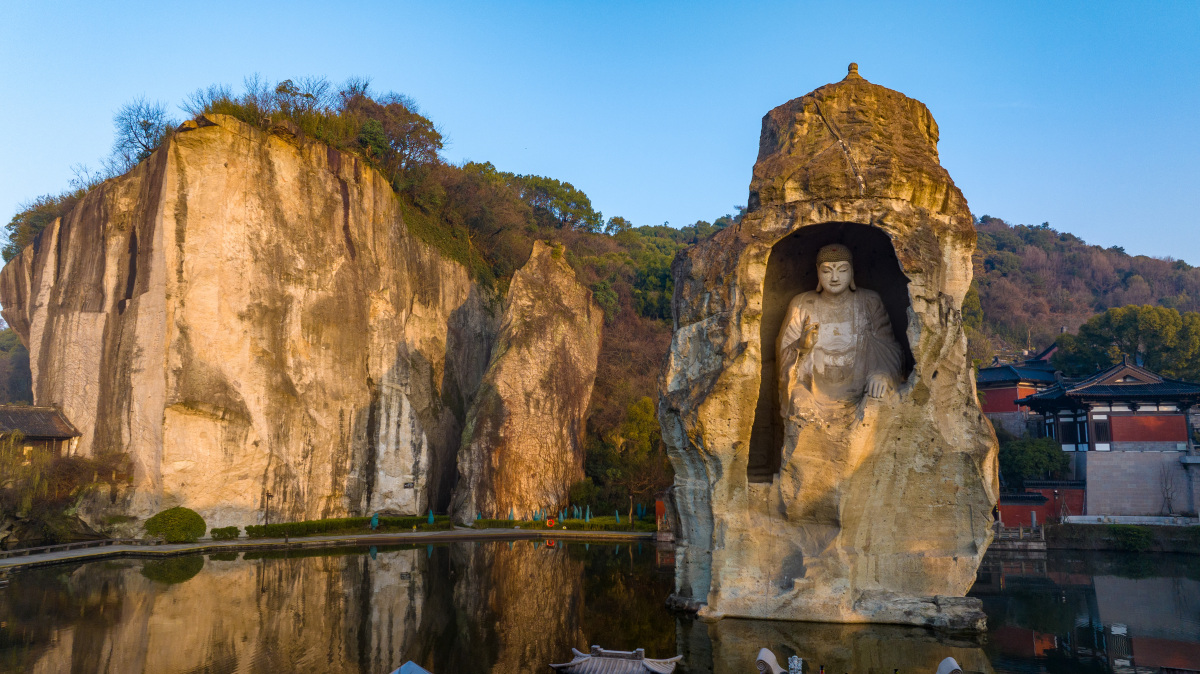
[(177, 525), (346, 525), (173, 569), (225, 533)]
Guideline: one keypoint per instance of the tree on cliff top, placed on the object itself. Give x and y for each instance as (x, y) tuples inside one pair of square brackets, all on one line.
[(141, 126)]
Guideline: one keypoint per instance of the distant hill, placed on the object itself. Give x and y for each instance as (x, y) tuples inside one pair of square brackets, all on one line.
[(1033, 281)]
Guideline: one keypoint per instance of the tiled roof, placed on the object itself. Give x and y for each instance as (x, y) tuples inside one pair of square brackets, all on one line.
[(601, 661), (1014, 374), (1123, 381), (35, 422)]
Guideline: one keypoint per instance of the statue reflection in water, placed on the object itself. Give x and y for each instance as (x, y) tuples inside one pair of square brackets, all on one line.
[(836, 344)]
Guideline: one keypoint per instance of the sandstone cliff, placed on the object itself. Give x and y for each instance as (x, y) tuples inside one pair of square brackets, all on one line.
[(522, 447), (899, 511), (247, 315)]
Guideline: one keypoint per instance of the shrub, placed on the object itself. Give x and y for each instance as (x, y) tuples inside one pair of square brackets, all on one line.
[(177, 525), (225, 533), (173, 569), (1131, 537), (339, 525)]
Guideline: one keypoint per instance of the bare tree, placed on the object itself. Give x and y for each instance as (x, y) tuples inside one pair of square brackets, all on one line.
[(140, 126), (1167, 484), (205, 99)]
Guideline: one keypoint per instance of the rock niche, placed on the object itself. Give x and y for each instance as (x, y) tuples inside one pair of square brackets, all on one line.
[(832, 463)]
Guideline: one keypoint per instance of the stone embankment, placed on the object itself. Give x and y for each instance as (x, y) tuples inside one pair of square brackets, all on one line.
[(142, 549)]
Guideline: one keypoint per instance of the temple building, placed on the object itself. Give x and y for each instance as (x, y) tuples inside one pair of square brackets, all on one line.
[(1000, 385), (1131, 433), (39, 427)]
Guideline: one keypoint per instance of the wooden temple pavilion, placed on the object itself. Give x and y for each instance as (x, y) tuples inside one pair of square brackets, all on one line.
[(1130, 434), (1123, 408), (601, 661)]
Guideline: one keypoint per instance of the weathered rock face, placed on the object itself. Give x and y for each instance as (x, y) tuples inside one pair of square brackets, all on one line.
[(522, 447), (247, 315), (869, 513)]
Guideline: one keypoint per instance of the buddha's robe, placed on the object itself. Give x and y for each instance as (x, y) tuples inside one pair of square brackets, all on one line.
[(854, 341)]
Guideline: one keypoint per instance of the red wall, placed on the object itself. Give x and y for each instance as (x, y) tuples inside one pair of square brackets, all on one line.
[(1018, 514), (1001, 399), (1149, 428)]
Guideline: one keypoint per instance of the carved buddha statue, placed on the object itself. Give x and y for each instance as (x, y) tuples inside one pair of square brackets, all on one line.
[(836, 343)]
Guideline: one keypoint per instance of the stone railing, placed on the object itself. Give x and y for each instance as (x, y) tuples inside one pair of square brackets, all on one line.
[(63, 547)]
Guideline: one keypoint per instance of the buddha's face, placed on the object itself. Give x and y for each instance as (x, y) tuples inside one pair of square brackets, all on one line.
[(835, 276)]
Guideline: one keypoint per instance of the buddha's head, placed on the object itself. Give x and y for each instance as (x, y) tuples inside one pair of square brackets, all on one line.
[(835, 269)]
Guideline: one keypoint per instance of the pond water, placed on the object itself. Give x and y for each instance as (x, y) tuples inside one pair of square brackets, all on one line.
[(515, 607)]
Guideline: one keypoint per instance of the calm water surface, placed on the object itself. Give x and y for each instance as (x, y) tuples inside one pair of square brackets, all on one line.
[(501, 607)]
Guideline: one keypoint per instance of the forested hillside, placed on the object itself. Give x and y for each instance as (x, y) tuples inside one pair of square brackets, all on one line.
[(1033, 281)]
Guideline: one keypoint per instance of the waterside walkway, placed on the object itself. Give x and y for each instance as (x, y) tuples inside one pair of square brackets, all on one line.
[(310, 542)]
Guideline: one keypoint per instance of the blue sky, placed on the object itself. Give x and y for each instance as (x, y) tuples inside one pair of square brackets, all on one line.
[(1083, 115)]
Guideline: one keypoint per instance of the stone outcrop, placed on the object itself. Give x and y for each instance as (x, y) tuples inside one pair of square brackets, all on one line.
[(886, 520), (522, 447), (248, 317)]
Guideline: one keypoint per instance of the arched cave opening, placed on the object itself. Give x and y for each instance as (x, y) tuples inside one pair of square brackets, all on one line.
[(791, 269)]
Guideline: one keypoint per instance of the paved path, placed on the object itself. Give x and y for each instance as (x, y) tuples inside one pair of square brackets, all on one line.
[(308, 542)]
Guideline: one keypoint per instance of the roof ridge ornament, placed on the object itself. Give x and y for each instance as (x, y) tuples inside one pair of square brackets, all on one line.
[(852, 73)]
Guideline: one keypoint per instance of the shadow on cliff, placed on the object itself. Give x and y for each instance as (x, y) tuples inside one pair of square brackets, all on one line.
[(440, 395)]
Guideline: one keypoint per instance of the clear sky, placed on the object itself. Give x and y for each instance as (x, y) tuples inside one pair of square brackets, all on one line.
[(1083, 115)]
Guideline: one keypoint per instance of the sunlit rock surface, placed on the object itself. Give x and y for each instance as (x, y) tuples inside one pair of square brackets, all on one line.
[(523, 444), (246, 313), (885, 520)]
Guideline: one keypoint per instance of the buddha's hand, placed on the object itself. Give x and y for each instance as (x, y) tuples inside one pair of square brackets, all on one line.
[(878, 386), (808, 337)]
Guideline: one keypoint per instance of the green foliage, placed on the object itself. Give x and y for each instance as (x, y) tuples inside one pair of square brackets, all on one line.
[(39, 487), (173, 570), (1162, 339), (34, 217), (177, 525), (627, 464), (557, 204), (1029, 458), (1131, 537), (345, 525), (972, 311), (16, 379), (225, 533)]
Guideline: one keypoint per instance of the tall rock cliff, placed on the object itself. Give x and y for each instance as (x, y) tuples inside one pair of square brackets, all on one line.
[(247, 316), (522, 447), (867, 514)]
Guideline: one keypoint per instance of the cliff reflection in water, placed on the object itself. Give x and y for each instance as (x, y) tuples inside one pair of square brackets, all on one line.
[(499, 607), (514, 607)]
